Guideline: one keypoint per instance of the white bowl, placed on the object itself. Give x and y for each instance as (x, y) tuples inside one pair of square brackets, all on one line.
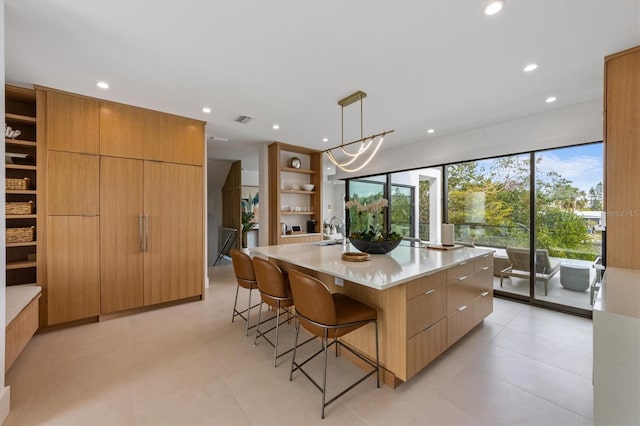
[(308, 186)]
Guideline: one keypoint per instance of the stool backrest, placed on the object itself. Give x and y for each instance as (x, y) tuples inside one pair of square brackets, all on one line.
[(271, 280), (313, 301), (242, 267)]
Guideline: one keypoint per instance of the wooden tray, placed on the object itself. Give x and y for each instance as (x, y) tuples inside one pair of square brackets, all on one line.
[(356, 257)]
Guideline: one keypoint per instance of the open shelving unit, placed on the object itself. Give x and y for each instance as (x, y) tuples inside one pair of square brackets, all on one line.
[(294, 207), (20, 107)]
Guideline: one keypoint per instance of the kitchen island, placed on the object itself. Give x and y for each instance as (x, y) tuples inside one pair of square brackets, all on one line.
[(426, 299)]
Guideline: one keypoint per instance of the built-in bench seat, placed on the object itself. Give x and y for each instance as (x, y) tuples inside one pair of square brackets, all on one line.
[(22, 319)]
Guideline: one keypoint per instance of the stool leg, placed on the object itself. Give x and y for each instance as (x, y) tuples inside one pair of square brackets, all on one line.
[(295, 346), (255, 341), (246, 329), (324, 369), (275, 349), (235, 304)]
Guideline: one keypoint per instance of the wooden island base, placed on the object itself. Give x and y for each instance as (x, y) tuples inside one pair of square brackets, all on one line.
[(420, 318)]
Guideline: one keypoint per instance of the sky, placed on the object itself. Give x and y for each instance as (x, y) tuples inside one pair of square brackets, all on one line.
[(582, 165)]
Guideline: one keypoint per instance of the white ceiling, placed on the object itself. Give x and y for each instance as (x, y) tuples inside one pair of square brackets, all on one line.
[(424, 64)]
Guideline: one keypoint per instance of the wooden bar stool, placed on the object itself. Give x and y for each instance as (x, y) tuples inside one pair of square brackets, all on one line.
[(329, 316), (246, 278), (275, 291)]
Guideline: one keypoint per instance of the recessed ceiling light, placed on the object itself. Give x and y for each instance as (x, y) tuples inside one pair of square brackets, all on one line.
[(530, 67), (551, 99), (102, 84), (430, 131), (493, 7), (206, 110), (325, 140), (276, 127)]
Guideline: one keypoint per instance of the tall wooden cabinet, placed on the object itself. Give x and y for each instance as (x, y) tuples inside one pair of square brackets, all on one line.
[(151, 232), (124, 190), (622, 157), (289, 204)]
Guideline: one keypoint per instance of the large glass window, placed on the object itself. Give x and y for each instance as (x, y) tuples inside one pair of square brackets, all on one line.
[(568, 210), (490, 203), (366, 191)]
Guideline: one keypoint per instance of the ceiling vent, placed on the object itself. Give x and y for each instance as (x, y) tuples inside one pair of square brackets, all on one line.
[(243, 119), (218, 139)]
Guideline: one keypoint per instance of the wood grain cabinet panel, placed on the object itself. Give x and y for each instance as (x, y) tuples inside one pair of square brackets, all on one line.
[(460, 322), (72, 184), (173, 139), (425, 310), (622, 155), (426, 346), (123, 129), (73, 123), (121, 234), (425, 284), (73, 268), (174, 257), (483, 306)]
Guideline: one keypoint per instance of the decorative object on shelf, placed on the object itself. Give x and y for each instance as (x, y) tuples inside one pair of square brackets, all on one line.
[(356, 257), (294, 187), (365, 143), (16, 184), (308, 187), (19, 235), (18, 158), (295, 163), (372, 240), (18, 207), (10, 133)]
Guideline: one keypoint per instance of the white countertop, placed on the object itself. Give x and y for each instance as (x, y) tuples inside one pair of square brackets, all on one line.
[(382, 271), (619, 292)]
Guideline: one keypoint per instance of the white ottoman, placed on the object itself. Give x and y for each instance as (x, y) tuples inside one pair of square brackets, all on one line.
[(575, 276)]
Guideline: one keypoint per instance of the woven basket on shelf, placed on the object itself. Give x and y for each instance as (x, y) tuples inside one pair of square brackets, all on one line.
[(20, 235), (18, 207), (19, 184)]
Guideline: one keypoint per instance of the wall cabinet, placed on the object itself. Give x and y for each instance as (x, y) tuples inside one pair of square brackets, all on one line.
[(124, 191), (622, 156), (131, 132), (289, 204)]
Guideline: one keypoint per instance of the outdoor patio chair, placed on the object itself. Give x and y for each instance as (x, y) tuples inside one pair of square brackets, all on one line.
[(546, 267)]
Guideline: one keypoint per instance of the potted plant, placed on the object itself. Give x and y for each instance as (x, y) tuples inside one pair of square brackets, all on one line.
[(373, 239)]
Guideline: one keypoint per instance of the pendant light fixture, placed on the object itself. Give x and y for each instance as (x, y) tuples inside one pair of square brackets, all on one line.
[(367, 147)]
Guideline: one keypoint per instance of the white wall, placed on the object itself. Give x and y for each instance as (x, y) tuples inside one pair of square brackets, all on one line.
[(575, 124), (4, 391)]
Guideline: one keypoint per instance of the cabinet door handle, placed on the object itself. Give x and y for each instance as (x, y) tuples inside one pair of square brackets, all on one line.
[(140, 232), (431, 327), (146, 232), (462, 308), (430, 291), (484, 293), (463, 263), (484, 268), (485, 255), (464, 277)]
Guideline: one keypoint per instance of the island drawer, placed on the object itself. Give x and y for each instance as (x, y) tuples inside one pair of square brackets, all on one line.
[(461, 293), (464, 269), (483, 306), (425, 347), (484, 263), (460, 322), (425, 310), (423, 285)]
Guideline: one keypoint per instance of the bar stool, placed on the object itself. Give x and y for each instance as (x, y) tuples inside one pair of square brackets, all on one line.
[(246, 278), (328, 316), (275, 291)]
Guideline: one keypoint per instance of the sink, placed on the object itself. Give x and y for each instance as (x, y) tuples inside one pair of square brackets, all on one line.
[(327, 243)]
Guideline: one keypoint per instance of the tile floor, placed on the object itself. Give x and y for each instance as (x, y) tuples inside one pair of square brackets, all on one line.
[(188, 364)]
